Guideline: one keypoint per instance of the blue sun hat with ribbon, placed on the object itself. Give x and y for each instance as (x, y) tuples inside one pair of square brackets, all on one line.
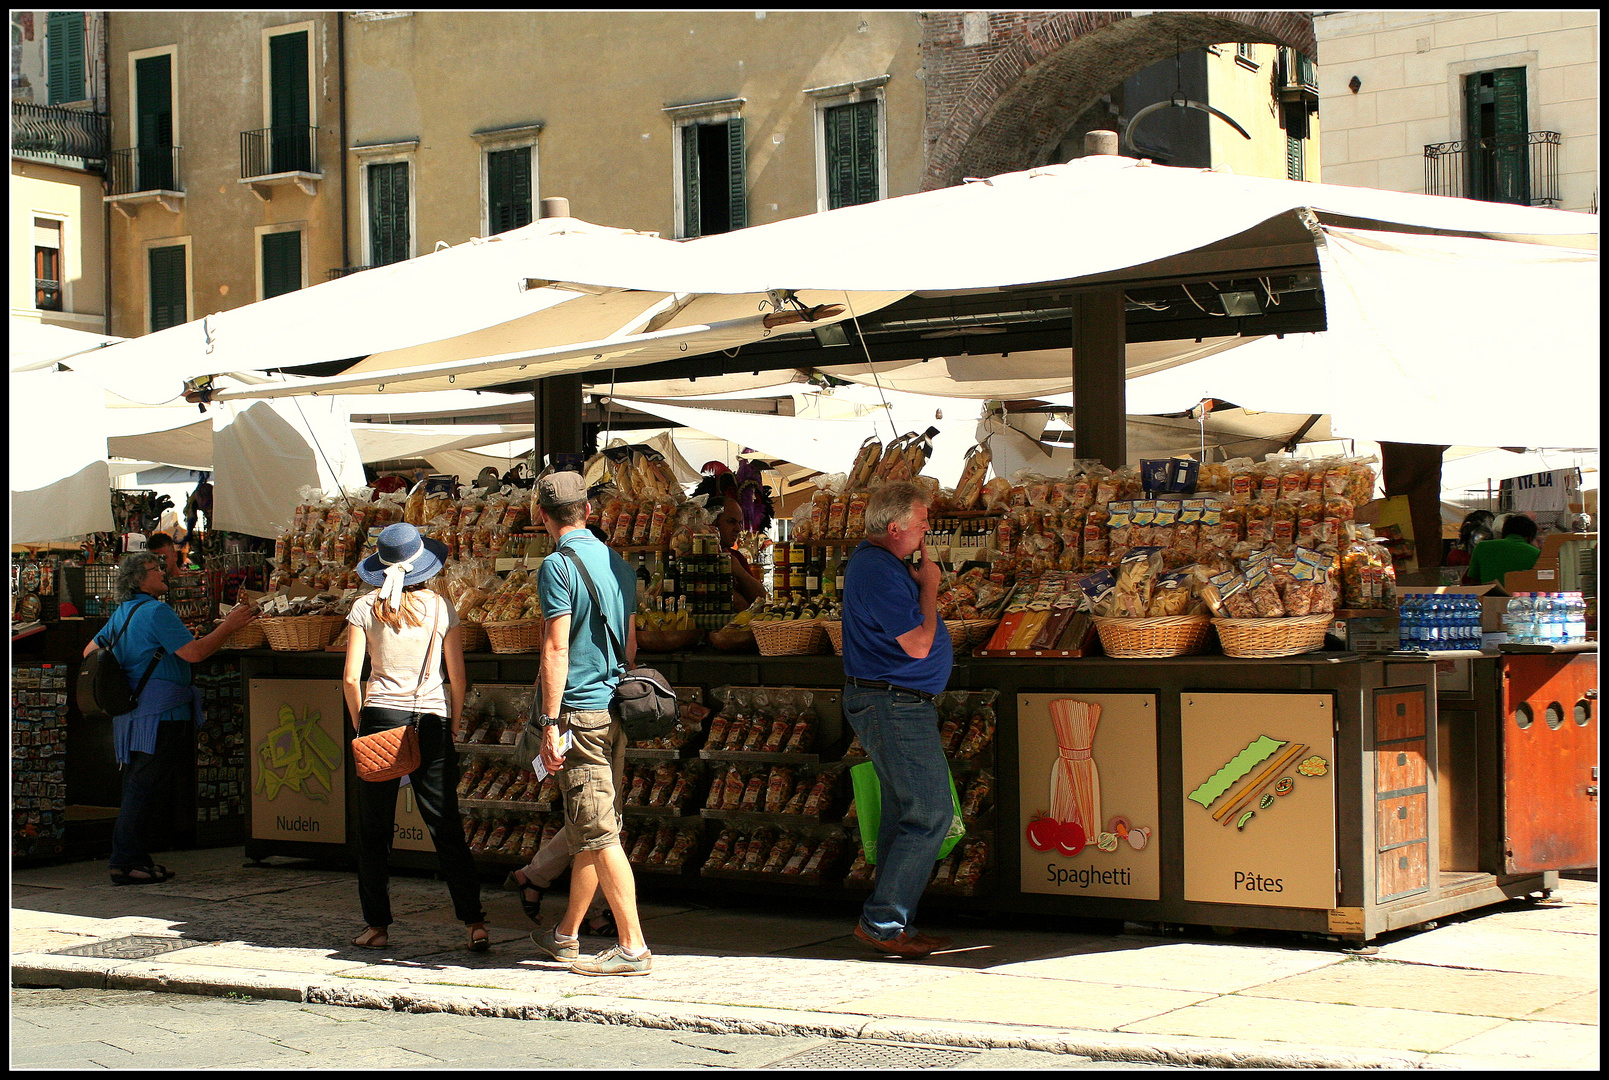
[(402, 558)]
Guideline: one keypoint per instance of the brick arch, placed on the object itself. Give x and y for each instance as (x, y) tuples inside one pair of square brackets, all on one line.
[(997, 107)]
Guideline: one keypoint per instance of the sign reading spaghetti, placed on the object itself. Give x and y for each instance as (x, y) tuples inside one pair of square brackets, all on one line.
[(1088, 768)]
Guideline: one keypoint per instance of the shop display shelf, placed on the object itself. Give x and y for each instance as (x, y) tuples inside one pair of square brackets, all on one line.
[(673, 813), (517, 805), (654, 753), (763, 817), (774, 758)]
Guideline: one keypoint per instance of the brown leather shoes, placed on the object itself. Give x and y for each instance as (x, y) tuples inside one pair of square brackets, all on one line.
[(932, 941), (902, 944)]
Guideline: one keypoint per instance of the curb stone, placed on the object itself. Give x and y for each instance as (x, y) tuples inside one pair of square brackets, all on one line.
[(70, 972)]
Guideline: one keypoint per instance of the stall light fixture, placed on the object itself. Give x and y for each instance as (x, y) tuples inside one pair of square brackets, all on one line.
[(1240, 303), (831, 335)]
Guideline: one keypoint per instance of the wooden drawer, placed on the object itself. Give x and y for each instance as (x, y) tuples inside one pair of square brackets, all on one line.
[(1402, 870), (1401, 819), (1399, 766), (1399, 714)]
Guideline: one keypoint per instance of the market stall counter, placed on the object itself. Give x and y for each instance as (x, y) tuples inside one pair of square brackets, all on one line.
[(1328, 793)]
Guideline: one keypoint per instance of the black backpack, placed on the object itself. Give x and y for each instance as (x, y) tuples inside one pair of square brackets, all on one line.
[(643, 702), (103, 688)]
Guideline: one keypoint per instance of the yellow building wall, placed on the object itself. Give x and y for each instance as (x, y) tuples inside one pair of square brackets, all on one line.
[(220, 75), (1249, 97), (598, 83), (73, 198)]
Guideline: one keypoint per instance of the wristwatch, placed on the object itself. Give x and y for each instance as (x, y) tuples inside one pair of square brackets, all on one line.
[(542, 720)]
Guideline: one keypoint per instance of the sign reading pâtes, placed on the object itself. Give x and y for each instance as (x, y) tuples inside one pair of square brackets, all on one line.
[(298, 760), (1259, 799), (1088, 794)]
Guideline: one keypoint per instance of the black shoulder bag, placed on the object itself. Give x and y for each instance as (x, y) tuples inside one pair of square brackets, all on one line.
[(643, 701), (103, 687)]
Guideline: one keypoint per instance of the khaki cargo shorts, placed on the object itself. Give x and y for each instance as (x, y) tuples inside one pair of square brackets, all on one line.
[(590, 781)]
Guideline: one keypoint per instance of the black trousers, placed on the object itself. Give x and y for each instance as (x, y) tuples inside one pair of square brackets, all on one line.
[(435, 789)]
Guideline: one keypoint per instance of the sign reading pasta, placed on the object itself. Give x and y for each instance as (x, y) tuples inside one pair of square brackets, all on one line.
[(1259, 799), (1088, 768)]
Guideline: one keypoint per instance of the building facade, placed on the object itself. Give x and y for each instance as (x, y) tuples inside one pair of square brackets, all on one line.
[(1495, 105), (225, 170), (254, 153), (58, 155)]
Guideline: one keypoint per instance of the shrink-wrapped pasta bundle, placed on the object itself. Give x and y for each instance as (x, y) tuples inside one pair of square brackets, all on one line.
[(867, 458), (969, 491)]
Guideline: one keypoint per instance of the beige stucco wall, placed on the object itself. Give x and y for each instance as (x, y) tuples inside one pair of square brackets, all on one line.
[(1411, 66), (598, 82), (1247, 96), (73, 198), (220, 77)]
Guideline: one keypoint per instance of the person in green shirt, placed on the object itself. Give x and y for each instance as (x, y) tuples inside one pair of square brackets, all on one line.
[(1516, 550)]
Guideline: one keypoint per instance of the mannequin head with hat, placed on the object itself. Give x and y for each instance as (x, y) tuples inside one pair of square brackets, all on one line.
[(403, 562)]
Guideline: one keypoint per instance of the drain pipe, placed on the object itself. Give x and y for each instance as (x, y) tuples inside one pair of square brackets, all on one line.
[(340, 59), (106, 172)]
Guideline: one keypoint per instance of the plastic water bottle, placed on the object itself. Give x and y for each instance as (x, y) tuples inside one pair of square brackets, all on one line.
[(1405, 623), (1547, 618), (1578, 618), (1517, 619), (1472, 623)]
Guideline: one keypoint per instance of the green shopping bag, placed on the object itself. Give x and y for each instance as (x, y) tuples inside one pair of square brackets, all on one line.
[(869, 811)]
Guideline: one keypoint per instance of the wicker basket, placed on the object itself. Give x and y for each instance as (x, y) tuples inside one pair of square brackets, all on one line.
[(339, 644), (793, 638), (474, 637), (250, 636), (835, 635), (519, 636), (664, 641), (301, 633), (1166, 635), (1253, 638), (740, 640), (968, 634)]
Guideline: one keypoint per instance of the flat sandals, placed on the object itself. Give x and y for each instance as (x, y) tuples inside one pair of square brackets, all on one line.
[(156, 875)]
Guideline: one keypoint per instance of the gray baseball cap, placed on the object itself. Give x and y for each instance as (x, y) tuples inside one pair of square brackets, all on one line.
[(560, 489)]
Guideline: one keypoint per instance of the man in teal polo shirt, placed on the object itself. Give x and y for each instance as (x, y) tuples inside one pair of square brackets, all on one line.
[(1516, 550), (580, 669)]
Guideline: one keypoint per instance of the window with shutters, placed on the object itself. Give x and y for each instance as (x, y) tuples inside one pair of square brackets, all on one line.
[(170, 293), (290, 113), (64, 56), (508, 189), (389, 241), (1496, 122), (153, 123), (1295, 117), (47, 264), (281, 253), (714, 192), (850, 133)]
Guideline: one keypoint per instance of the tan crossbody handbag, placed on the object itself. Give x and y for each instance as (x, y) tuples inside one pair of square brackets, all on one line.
[(394, 753)]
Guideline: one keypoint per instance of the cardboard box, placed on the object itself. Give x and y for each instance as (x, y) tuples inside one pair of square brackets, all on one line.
[(1367, 634), (1494, 600)]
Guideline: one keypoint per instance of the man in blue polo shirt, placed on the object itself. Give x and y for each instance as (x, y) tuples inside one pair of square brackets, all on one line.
[(896, 657)]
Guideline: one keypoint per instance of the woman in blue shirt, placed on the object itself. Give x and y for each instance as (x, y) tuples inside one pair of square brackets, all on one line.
[(150, 740)]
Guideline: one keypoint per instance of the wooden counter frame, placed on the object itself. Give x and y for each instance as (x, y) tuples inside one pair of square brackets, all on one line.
[(1354, 681)]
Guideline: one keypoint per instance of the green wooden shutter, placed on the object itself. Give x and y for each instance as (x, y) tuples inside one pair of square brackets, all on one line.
[(1293, 157), (64, 46), (154, 122), (1497, 160), (851, 136), (690, 207), (167, 287), (290, 112), (282, 263), (508, 189), (388, 213), (738, 206)]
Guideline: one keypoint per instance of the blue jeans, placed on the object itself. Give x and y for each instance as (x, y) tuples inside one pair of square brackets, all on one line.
[(147, 795), (900, 733)]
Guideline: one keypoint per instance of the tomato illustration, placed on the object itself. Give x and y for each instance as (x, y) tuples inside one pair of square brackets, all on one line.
[(1042, 832), (1071, 839)]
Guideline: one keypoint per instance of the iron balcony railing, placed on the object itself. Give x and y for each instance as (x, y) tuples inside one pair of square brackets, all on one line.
[(145, 168), (50, 133), (47, 294), (1521, 169), (343, 271), (282, 149)]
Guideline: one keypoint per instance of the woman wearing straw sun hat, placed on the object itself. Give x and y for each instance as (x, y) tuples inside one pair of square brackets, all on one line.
[(407, 629)]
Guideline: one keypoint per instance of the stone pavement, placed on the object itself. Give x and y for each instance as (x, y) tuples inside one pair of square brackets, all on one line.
[(1513, 986)]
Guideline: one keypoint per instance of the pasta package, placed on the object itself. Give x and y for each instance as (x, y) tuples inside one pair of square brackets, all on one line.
[(867, 459), (969, 491), (1171, 596), (1136, 576)]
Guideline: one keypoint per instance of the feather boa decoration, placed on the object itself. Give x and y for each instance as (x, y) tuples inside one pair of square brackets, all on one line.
[(753, 497)]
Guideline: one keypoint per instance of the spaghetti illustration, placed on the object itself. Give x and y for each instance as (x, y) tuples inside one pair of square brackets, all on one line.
[(1075, 782)]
